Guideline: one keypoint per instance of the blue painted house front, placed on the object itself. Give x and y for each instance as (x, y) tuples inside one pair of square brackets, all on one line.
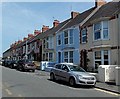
[(67, 48)]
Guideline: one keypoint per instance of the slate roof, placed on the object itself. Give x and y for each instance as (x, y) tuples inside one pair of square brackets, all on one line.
[(79, 18), (108, 10), (51, 30), (44, 34)]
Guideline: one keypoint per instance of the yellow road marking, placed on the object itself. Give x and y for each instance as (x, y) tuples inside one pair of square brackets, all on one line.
[(107, 92), (19, 95), (8, 91)]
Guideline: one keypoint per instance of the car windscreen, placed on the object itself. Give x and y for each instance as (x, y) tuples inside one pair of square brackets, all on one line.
[(28, 61), (51, 64), (76, 68)]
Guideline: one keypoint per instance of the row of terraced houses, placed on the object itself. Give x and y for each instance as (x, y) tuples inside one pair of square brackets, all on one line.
[(90, 38)]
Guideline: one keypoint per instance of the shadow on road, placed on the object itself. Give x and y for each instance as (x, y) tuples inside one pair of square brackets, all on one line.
[(67, 84)]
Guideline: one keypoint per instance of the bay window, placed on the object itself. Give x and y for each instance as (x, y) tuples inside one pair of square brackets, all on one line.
[(84, 36), (101, 58), (101, 30), (59, 40), (68, 36), (68, 57)]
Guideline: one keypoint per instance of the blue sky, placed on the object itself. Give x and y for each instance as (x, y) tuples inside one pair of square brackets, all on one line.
[(21, 18)]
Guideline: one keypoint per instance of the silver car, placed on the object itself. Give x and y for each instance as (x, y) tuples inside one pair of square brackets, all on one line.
[(73, 74)]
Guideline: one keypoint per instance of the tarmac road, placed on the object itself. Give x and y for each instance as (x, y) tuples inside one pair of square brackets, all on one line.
[(27, 84)]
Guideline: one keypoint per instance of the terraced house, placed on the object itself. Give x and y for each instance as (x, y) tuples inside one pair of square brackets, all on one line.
[(90, 38), (68, 39), (49, 41), (99, 37)]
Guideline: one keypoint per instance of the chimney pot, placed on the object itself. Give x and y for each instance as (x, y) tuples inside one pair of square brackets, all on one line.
[(99, 3), (45, 28), (55, 23), (30, 35), (74, 14), (36, 32)]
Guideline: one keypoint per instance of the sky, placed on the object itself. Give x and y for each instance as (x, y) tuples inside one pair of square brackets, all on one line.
[(21, 18)]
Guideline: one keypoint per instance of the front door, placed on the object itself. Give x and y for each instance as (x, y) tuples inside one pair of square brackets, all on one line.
[(59, 57), (84, 59)]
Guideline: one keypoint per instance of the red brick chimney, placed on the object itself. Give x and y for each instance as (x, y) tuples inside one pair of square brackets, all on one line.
[(74, 14), (30, 35), (36, 32), (19, 41), (45, 28), (56, 23), (99, 3), (24, 39)]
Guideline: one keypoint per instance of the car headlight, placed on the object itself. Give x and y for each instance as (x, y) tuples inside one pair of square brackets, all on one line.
[(26, 65), (79, 76)]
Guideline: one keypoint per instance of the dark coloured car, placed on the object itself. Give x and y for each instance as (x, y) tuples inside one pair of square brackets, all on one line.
[(6, 63), (13, 64), (25, 65)]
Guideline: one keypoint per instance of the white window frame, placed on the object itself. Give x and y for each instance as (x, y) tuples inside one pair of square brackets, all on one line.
[(83, 35), (51, 42), (66, 37), (101, 31), (58, 39), (69, 36), (68, 52), (102, 57)]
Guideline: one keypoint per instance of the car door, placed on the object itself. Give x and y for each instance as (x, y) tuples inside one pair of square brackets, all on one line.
[(64, 73), (57, 71)]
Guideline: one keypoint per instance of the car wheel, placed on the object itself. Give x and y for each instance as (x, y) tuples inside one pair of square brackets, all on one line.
[(33, 70), (52, 77), (72, 81)]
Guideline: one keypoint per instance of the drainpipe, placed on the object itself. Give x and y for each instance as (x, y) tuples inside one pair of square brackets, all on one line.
[(26, 52), (119, 40)]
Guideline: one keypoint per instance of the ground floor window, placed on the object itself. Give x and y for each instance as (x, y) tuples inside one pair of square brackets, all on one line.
[(68, 56), (101, 58), (48, 56)]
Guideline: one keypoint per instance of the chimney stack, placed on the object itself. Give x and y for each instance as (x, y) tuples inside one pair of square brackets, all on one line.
[(19, 41), (99, 3), (30, 35), (55, 23), (45, 28), (36, 32), (74, 14), (24, 39)]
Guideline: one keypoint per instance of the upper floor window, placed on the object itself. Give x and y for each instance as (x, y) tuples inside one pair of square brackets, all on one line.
[(59, 42), (71, 36), (51, 42), (68, 37), (84, 36), (105, 29), (47, 42), (101, 30)]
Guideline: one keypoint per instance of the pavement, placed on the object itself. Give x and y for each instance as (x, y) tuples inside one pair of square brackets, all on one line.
[(108, 87)]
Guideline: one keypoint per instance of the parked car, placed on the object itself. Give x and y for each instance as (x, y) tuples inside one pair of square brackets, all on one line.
[(6, 63), (73, 74), (13, 64), (25, 65), (49, 66)]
